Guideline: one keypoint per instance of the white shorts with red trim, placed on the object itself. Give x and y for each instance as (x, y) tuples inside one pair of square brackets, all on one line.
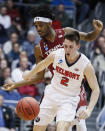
[(55, 104)]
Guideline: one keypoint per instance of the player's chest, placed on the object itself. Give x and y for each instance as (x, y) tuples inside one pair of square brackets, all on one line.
[(48, 47), (62, 69)]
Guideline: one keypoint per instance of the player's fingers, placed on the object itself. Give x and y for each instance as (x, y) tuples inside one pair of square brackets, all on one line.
[(80, 115), (83, 115), (94, 21), (5, 89), (8, 87), (5, 86), (75, 122), (98, 23)]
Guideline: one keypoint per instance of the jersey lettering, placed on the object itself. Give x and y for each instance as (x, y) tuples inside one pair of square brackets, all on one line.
[(53, 49), (67, 73), (64, 81)]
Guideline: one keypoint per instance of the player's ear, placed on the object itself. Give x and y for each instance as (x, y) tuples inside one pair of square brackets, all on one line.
[(79, 46), (50, 23)]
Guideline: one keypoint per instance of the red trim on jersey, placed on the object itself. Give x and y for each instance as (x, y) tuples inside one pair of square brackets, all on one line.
[(83, 100)]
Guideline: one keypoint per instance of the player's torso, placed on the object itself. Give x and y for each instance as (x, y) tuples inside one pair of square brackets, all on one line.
[(47, 47), (68, 79)]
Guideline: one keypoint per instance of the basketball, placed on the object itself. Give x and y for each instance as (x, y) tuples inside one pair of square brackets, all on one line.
[(27, 108)]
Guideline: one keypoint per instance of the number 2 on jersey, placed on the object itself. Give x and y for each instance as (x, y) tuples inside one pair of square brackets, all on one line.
[(64, 81)]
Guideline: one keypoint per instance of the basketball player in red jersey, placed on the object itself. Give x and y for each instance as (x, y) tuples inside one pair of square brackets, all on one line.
[(52, 40)]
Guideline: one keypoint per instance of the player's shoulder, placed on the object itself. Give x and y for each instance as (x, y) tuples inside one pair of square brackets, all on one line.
[(59, 31), (37, 48), (84, 57), (16, 70), (59, 51)]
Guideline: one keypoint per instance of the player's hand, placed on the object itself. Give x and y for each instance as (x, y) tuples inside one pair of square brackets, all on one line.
[(26, 75), (84, 114), (12, 129), (98, 25), (75, 121), (8, 87)]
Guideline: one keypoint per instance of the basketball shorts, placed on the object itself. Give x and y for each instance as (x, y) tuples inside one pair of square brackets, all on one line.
[(59, 105)]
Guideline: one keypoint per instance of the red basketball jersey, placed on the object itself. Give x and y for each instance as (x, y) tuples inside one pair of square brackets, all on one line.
[(47, 47)]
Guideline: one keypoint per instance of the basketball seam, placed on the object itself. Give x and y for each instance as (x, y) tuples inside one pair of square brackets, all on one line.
[(23, 110), (31, 107), (17, 109)]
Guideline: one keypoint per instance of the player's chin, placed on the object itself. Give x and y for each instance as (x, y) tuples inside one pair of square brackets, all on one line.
[(41, 34)]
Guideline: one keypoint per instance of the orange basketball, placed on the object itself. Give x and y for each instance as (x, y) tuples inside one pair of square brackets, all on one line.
[(27, 108)]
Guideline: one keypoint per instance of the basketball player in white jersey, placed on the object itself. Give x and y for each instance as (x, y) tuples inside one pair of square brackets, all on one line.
[(62, 95), (52, 39)]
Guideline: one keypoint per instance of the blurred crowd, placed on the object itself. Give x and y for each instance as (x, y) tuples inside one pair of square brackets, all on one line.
[(18, 37)]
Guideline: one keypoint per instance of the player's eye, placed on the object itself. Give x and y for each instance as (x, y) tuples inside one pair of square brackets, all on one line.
[(70, 47), (40, 25), (36, 26), (65, 46)]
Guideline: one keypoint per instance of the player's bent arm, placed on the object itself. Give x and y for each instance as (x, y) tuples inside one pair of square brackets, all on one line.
[(90, 36), (40, 66), (35, 79), (39, 58), (93, 83)]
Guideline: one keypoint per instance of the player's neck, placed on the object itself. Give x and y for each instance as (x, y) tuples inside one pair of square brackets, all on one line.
[(71, 59), (22, 69), (51, 36)]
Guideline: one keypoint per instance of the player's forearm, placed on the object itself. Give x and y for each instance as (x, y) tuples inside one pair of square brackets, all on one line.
[(93, 99), (91, 36), (38, 68), (42, 65), (84, 36), (35, 80), (23, 83)]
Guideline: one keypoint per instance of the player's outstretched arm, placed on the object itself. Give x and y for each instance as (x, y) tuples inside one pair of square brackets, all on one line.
[(92, 80), (98, 26), (35, 79), (14, 85), (40, 66)]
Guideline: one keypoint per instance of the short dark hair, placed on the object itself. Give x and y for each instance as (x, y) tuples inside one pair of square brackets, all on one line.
[(73, 36), (42, 11)]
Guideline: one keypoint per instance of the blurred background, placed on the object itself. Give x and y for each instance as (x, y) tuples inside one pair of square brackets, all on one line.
[(18, 37)]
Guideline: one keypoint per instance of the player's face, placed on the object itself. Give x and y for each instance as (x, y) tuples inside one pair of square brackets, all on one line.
[(42, 28), (70, 47)]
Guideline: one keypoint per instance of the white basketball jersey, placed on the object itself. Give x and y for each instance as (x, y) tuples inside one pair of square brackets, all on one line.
[(68, 79)]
